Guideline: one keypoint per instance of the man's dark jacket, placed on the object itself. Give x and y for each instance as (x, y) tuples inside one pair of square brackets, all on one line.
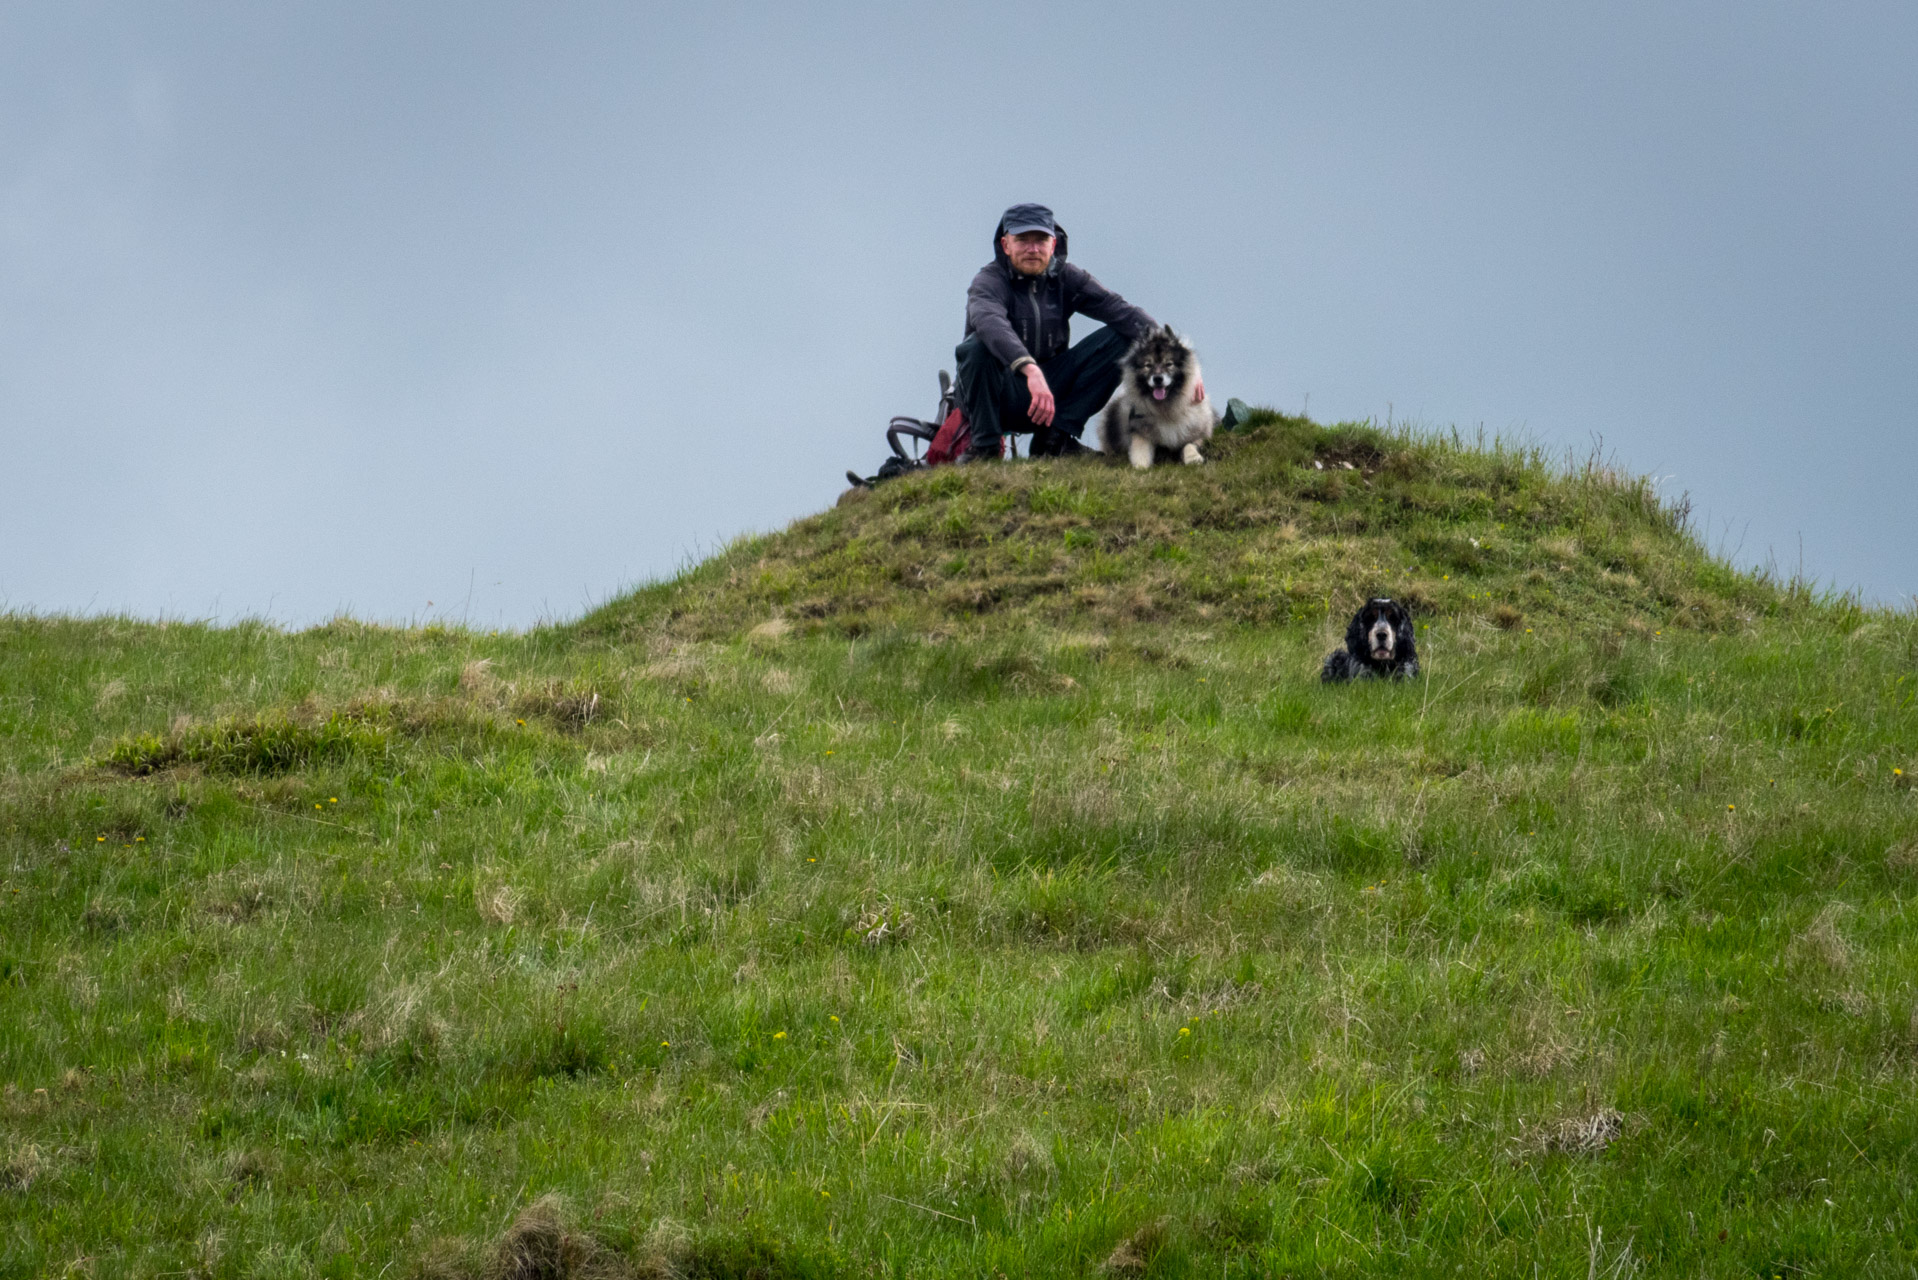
[(1023, 318)]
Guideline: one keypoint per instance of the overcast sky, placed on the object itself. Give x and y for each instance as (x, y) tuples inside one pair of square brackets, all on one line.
[(486, 311)]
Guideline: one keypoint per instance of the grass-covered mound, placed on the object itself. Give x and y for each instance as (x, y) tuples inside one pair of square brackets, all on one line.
[(975, 880), (1289, 520)]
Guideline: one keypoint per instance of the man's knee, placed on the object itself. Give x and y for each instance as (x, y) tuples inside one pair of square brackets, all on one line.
[(979, 373), (1095, 360), (972, 358), (1107, 345)]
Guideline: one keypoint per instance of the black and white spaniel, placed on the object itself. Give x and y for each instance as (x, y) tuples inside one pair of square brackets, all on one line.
[(1378, 644)]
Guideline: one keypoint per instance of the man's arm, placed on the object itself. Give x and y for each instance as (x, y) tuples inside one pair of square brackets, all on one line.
[(986, 316), (1095, 300), (1089, 297)]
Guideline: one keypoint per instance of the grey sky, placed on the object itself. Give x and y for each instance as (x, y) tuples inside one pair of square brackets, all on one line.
[(307, 307)]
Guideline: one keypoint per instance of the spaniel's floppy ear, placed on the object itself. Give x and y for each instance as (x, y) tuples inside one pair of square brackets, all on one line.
[(1407, 646)]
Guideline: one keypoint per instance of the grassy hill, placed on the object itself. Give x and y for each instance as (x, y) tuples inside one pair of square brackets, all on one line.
[(974, 879)]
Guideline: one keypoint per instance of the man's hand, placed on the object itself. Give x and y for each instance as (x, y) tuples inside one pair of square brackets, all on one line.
[(1198, 391), (1042, 406)]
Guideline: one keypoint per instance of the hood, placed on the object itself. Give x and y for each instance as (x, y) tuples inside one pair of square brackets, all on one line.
[(1005, 263)]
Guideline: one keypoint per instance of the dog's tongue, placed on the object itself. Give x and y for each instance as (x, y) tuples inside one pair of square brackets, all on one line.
[(1158, 393)]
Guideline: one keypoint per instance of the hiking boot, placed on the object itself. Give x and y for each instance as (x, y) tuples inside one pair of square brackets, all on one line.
[(981, 451), (1056, 444)]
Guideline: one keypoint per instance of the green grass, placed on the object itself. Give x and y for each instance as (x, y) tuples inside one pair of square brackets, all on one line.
[(975, 879)]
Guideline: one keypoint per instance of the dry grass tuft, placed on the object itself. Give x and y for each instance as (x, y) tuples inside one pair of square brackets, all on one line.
[(1585, 1135), (1902, 859), (576, 710), (1545, 1046), (567, 707), (1853, 1004), (23, 1166), (1135, 1253), (757, 1117), (887, 922), (668, 1252), (497, 904), (540, 1246), (543, 1244), (251, 1167), (237, 897), (1822, 943), (447, 1258), (104, 916), (1026, 1161), (399, 1020)]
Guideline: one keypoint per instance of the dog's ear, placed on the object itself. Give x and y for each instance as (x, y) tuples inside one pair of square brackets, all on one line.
[(1355, 632), (1406, 647)]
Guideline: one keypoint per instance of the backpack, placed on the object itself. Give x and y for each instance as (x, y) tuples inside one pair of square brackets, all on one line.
[(946, 439)]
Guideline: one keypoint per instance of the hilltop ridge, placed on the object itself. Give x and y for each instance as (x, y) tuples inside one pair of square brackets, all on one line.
[(1289, 522)]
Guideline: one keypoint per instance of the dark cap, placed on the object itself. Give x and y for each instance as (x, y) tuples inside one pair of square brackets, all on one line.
[(1029, 217)]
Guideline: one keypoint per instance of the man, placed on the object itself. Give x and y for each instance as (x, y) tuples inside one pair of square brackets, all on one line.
[(1016, 372)]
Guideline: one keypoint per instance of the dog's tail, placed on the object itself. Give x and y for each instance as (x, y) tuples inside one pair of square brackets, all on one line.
[(1112, 435)]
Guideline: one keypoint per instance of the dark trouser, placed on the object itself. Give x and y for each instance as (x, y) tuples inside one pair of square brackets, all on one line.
[(996, 400)]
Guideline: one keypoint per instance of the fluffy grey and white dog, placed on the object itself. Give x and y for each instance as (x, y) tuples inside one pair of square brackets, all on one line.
[(1153, 408), (1378, 645)]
